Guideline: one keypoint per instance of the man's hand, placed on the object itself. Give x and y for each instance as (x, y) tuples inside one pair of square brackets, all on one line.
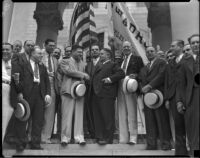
[(146, 88), (47, 100), (180, 108), (106, 80), (167, 104), (20, 96), (16, 78), (86, 76)]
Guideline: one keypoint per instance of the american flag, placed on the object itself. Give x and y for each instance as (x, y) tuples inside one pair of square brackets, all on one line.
[(83, 27)]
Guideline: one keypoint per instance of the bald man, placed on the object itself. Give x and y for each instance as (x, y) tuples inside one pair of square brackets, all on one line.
[(127, 103), (17, 46)]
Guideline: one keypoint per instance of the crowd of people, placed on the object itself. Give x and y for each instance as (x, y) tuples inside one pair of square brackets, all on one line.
[(88, 97)]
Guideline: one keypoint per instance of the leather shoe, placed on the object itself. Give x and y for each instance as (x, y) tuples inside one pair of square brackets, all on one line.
[(36, 147), (102, 142), (166, 148), (20, 148), (63, 144)]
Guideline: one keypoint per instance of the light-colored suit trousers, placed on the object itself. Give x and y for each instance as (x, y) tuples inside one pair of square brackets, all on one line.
[(49, 114), (7, 110), (127, 110), (69, 107)]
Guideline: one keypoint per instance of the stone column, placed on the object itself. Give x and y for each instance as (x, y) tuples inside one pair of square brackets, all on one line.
[(160, 23), (49, 21), (7, 17)]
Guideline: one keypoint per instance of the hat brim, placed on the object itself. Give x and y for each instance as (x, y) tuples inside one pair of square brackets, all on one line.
[(124, 84), (27, 110), (159, 103), (72, 89)]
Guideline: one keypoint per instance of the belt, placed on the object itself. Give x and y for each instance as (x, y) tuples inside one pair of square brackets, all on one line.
[(6, 82)]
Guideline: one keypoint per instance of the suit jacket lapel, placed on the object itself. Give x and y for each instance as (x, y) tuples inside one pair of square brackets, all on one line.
[(98, 67), (152, 66), (28, 63)]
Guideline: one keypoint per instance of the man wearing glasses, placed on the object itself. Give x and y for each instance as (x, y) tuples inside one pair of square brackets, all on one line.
[(19, 60), (68, 52)]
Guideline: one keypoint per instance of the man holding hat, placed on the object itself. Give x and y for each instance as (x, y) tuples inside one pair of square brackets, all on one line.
[(34, 93), (127, 101), (156, 115), (72, 91), (105, 84)]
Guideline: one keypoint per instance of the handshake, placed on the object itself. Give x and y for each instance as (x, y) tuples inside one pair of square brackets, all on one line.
[(86, 76)]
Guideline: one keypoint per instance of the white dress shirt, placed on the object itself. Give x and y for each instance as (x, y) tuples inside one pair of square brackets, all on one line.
[(95, 61), (33, 67), (178, 59), (5, 74), (129, 56)]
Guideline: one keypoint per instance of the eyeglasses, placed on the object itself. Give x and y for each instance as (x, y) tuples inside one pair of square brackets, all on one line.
[(95, 49), (187, 50)]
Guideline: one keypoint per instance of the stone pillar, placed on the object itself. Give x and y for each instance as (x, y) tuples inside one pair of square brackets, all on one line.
[(184, 19), (49, 21), (160, 23), (7, 17)]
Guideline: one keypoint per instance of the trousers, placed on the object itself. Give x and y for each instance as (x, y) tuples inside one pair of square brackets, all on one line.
[(69, 107)]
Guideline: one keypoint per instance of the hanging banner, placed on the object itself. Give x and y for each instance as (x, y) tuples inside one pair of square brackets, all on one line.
[(126, 29)]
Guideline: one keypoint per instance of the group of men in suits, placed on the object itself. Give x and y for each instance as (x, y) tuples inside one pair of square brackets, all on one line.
[(42, 77)]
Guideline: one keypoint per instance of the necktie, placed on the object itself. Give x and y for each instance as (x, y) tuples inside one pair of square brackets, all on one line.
[(148, 65), (125, 63), (49, 64), (36, 73)]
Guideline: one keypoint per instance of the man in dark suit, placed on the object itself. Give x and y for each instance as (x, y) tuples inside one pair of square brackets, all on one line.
[(105, 84), (188, 94), (157, 120), (172, 79), (18, 60), (89, 97), (34, 87), (127, 103)]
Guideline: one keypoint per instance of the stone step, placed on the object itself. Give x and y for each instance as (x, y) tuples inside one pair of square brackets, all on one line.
[(89, 149)]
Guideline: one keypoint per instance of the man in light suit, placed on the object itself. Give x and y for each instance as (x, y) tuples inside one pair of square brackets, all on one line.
[(105, 84), (127, 103), (7, 110), (72, 70), (51, 63)]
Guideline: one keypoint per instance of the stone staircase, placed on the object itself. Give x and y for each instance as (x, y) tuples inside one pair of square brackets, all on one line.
[(89, 149)]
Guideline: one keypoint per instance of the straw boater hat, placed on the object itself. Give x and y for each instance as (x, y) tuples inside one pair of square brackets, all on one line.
[(22, 110), (129, 85), (78, 89), (153, 99)]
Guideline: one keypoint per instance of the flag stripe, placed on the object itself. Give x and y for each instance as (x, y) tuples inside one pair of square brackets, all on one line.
[(83, 27)]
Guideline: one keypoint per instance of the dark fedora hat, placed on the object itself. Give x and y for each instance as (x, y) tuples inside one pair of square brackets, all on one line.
[(153, 99), (22, 110)]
